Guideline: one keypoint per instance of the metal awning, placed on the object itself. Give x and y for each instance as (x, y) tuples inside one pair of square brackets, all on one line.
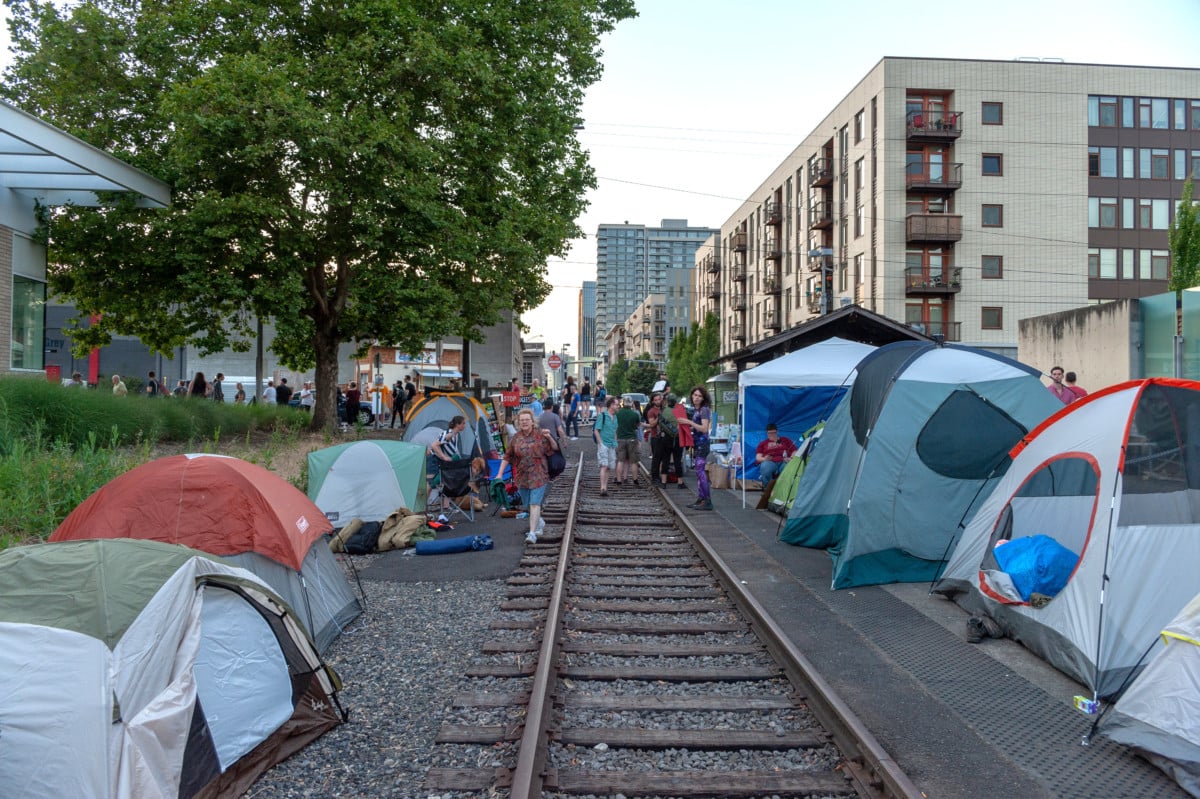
[(50, 165), (439, 371)]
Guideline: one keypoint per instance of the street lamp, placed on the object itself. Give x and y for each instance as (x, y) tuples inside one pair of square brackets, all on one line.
[(826, 254), (565, 346)]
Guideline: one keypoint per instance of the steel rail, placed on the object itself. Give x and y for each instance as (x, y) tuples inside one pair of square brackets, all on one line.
[(534, 747), (871, 767)]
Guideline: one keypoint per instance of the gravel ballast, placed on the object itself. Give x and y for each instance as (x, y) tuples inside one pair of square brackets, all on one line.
[(402, 662)]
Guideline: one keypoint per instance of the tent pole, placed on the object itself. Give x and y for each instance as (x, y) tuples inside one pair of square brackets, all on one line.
[(354, 569)]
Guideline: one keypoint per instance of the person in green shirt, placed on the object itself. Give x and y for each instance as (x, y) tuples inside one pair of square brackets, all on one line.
[(629, 430)]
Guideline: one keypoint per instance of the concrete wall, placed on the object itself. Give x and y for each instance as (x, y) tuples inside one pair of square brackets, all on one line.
[(1100, 343)]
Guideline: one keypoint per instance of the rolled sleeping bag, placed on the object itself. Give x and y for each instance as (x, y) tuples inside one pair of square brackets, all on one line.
[(447, 546)]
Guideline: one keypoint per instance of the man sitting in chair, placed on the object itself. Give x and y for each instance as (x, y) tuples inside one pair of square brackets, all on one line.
[(771, 454)]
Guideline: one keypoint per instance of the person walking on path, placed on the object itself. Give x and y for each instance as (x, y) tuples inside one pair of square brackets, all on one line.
[(527, 452), (550, 421), (1056, 387), (771, 453), (672, 450), (651, 416), (585, 402), (683, 437), (283, 393), (629, 429), (699, 424), (198, 388), (218, 389), (573, 414), (152, 387), (119, 389), (604, 433), (1078, 391)]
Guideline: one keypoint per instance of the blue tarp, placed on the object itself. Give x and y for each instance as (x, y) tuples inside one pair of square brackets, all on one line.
[(1036, 564)]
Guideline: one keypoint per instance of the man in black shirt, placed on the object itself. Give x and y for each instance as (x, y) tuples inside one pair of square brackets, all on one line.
[(283, 392)]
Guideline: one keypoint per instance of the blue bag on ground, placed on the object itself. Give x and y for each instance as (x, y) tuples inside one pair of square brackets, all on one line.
[(1036, 564), (446, 546)]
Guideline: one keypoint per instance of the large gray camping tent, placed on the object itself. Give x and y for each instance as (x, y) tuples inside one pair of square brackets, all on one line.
[(137, 669), (1114, 480), (1159, 714), (428, 417), (919, 439)]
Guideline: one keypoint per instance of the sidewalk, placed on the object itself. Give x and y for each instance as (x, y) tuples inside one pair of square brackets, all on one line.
[(963, 720)]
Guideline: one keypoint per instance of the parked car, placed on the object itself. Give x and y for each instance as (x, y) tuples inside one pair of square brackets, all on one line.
[(639, 398), (365, 415)]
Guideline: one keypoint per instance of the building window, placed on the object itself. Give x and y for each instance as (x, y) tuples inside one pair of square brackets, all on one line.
[(1102, 162), (28, 327), (858, 127), (1127, 116), (1128, 220), (992, 267), (1108, 112), (993, 114), (1145, 214), (1195, 114), (991, 318), (1155, 264), (1093, 262), (993, 164), (1108, 212), (993, 216), (1128, 156)]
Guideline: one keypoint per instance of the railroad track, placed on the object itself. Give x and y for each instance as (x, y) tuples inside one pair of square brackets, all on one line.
[(629, 662)]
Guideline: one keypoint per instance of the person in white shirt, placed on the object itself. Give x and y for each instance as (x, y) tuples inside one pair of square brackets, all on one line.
[(307, 398), (269, 394)]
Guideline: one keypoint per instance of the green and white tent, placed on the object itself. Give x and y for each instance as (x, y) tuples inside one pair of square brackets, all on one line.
[(143, 669), (367, 480), (908, 453)]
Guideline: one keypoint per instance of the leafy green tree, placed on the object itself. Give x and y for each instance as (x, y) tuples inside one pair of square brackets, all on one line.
[(617, 382), (690, 355), (1184, 238), (392, 170), (642, 374)]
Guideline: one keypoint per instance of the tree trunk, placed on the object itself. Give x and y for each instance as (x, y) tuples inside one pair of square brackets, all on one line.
[(324, 412)]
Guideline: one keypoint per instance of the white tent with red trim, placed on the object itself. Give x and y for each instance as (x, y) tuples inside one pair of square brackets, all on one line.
[(1112, 484)]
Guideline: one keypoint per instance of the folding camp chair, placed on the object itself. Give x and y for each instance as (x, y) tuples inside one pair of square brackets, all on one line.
[(456, 484)]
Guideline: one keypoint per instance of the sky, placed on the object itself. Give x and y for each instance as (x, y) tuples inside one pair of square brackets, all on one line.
[(701, 100)]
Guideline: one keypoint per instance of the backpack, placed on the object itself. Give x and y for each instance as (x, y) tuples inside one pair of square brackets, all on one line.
[(668, 424), (601, 395)]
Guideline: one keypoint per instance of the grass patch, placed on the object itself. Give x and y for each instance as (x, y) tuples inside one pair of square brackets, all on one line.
[(58, 445)]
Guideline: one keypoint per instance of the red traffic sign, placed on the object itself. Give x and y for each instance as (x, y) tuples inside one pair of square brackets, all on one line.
[(554, 361)]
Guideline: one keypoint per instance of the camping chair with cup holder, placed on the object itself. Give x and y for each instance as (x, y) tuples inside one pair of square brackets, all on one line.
[(456, 486)]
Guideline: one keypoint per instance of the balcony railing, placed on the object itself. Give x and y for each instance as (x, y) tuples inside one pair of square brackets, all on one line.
[(738, 241), (714, 292), (738, 275), (932, 280), (771, 320), (820, 172), (814, 301), (933, 227), (712, 264), (771, 285), (933, 125), (772, 213), (737, 301), (771, 249), (820, 215), (737, 332), (933, 176), (949, 331)]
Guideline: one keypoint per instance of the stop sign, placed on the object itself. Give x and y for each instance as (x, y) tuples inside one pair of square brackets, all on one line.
[(554, 361)]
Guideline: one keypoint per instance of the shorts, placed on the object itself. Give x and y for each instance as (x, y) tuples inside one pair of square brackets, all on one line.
[(532, 496), (606, 456), (627, 450)]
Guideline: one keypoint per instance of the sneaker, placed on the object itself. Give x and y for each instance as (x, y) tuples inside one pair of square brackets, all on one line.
[(636, 483), (705, 505), (573, 438), (541, 528), (604, 493), (681, 484), (443, 518), (531, 537)]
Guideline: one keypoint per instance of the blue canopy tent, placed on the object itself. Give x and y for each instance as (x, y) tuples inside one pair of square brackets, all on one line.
[(795, 392)]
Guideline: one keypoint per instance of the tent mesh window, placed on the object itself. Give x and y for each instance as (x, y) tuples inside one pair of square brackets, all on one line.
[(1161, 457), (1058, 500), (978, 456)]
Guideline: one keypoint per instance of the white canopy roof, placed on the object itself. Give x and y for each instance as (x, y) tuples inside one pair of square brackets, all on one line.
[(44, 163), (826, 363)]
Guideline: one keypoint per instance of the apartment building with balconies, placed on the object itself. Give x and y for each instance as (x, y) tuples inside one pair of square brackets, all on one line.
[(960, 196)]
